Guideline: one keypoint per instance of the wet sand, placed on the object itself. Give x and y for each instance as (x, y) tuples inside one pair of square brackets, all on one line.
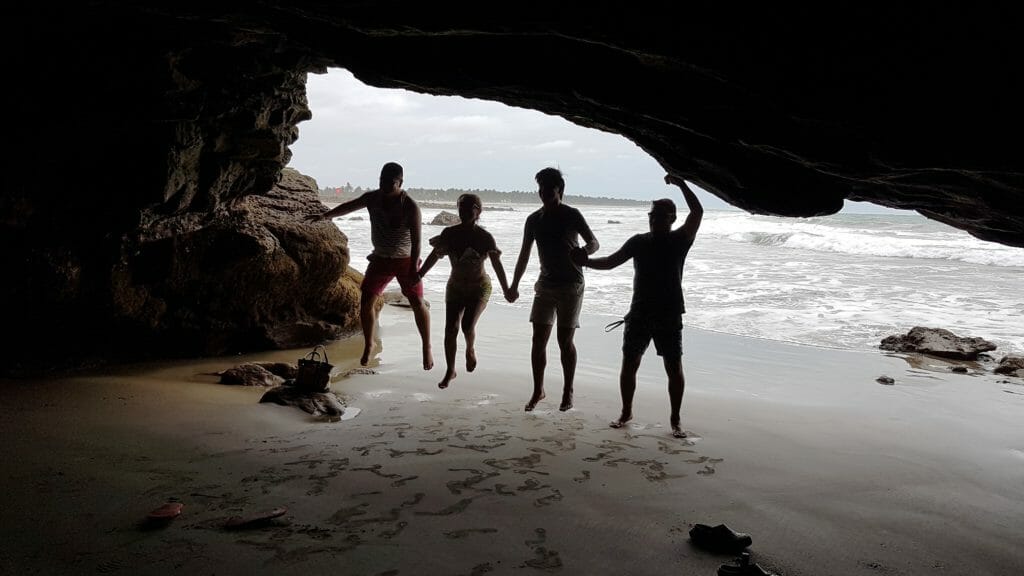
[(829, 471)]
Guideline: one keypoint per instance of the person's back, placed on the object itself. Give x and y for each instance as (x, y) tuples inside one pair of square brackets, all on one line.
[(655, 312), (658, 273), (558, 292), (557, 231), (390, 233)]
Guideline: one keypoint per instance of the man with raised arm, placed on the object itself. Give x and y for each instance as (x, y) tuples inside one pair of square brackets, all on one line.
[(395, 228), (558, 293), (657, 307)]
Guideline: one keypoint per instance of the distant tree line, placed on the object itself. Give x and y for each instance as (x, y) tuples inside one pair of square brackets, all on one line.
[(448, 197)]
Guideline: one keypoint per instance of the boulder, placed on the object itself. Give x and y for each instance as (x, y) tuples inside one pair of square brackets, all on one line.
[(445, 218), (937, 342)]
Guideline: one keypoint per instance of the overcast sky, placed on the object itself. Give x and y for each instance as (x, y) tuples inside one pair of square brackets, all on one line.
[(452, 142)]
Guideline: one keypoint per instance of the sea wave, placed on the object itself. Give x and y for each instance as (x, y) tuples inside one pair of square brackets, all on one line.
[(846, 238)]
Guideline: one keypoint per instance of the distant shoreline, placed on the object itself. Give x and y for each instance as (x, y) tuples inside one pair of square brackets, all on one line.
[(430, 198)]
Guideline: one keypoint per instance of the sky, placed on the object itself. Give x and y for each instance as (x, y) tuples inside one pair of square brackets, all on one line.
[(453, 142)]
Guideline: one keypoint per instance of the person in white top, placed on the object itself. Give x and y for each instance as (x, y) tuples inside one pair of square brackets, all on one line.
[(395, 228)]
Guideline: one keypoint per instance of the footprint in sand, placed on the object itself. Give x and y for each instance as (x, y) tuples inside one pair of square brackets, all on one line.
[(709, 464), (543, 559), (457, 486), (419, 452), (581, 479), (389, 534), (376, 470), (555, 496), (456, 508), (459, 534), (343, 515)]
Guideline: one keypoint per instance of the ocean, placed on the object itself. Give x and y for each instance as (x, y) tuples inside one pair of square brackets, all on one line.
[(844, 281)]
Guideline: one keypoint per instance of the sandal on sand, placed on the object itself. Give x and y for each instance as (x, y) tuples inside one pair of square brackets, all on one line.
[(254, 520), (165, 513), (720, 539)]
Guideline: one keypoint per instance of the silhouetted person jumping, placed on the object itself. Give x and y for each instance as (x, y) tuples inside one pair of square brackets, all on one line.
[(657, 306), (467, 246), (395, 225), (558, 292)]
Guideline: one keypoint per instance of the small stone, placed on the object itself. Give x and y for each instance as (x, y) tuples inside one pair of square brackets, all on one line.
[(887, 380), (958, 369)]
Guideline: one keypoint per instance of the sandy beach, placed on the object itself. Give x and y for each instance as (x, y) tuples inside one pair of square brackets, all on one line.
[(829, 471)]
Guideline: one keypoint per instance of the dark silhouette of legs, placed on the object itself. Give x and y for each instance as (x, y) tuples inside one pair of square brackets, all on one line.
[(627, 387), (469, 320), (676, 385), (539, 361), (568, 356), (422, 316), (451, 342), (368, 322)]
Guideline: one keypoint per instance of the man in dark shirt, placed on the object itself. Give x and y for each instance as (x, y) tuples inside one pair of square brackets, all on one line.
[(657, 306), (558, 292)]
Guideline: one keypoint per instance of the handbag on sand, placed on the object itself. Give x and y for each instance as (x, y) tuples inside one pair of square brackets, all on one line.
[(314, 374)]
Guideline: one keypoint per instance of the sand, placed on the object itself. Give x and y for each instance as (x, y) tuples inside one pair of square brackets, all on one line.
[(829, 471)]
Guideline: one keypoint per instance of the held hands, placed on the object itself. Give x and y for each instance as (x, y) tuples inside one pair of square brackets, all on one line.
[(512, 294)]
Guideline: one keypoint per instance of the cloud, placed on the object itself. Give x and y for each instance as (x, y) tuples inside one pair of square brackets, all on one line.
[(554, 144)]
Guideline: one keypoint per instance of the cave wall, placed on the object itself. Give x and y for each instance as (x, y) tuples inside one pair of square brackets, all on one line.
[(145, 212)]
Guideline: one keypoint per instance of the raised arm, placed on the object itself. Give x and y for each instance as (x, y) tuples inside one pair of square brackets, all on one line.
[(693, 219), (342, 209), (524, 259)]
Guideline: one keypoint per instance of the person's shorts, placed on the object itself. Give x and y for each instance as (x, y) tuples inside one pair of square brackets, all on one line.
[(637, 336), (469, 295), (562, 301), (381, 271)]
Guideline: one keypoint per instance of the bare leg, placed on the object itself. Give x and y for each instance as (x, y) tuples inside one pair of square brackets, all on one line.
[(368, 321), (676, 385), (539, 360), (469, 331), (451, 342), (422, 316), (568, 354), (627, 387)]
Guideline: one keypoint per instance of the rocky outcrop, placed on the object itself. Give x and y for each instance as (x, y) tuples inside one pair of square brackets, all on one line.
[(937, 342), (1011, 365), (445, 218), (148, 138)]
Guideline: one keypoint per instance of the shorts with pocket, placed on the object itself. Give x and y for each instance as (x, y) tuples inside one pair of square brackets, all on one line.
[(561, 301)]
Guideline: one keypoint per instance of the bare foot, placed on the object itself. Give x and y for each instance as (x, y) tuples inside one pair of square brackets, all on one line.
[(677, 432), (623, 419), (367, 352), (534, 400), (470, 360), (448, 377), (566, 401), (428, 358)]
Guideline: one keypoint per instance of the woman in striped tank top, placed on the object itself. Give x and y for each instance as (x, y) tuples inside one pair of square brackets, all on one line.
[(395, 224)]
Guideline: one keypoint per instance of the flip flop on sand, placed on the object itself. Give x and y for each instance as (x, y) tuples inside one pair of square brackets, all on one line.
[(165, 513), (254, 520), (720, 539)]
